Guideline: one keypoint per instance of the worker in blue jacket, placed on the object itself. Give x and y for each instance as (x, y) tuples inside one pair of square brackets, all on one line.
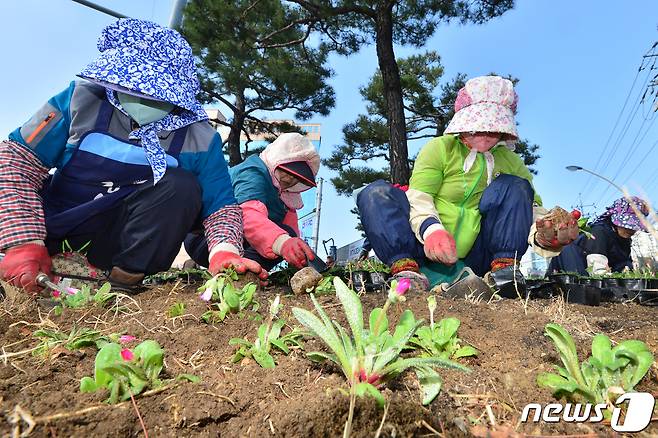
[(136, 166)]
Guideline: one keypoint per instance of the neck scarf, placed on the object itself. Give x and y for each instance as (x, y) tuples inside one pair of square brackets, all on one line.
[(488, 158), (148, 134)]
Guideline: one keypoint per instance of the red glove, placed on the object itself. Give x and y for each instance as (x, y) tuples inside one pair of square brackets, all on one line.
[(23, 263), (567, 231), (295, 251), (440, 247), (225, 259)]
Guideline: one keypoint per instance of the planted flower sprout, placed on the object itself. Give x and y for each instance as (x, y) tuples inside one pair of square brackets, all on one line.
[(268, 337), (607, 373), (370, 357)]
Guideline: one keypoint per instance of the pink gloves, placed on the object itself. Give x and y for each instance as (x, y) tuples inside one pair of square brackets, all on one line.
[(295, 251), (226, 259), (23, 263), (440, 247)]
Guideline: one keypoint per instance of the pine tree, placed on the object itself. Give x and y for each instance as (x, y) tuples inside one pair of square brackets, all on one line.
[(251, 80)]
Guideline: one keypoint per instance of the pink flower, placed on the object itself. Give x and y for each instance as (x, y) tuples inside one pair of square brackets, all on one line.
[(56, 294), (72, 290), (206, 295), (126, 338), (403, 286), (127, 355)]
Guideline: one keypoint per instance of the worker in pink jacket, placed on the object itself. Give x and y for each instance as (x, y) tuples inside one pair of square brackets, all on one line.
[(268, 188)]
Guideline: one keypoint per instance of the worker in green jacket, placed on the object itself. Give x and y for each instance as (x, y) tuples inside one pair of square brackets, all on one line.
[(469, 202)]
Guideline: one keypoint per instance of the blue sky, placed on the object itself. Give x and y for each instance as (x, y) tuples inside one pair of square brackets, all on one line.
[(576, 61)]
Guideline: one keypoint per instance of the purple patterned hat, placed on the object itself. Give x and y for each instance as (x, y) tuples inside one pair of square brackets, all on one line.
[(621, 213)]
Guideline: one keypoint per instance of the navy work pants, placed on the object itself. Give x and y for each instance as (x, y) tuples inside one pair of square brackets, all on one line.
[(505, 206), (144, 231)]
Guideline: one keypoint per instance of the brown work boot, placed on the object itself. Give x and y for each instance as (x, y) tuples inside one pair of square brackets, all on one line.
[(125, 281)]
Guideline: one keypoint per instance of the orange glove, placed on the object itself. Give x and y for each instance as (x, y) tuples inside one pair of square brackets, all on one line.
[(295, 251), (23, 263), (225, 259), (440, 247)]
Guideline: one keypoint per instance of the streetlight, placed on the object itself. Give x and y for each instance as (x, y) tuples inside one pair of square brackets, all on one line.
[(579, 168)]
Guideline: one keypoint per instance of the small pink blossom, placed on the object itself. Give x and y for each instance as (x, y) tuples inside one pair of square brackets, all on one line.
[(56, 294), (127, 355), (72, 290), (403, 286), (206, 295), (126, 338)]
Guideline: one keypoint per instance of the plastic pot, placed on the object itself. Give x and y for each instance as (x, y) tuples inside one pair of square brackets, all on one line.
[(582, 294), (616, 294), (633, 283), (563, 278), (652, 283), (596, 282), (377, 280), (648, 298), (359, 279), (611, 282)]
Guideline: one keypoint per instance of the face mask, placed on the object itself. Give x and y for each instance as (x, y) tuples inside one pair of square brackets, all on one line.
[(144, 111)]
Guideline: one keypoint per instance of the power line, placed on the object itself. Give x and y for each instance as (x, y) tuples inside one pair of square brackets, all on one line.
[(629, 119), (646, 155), (607, 143), (625, 128)]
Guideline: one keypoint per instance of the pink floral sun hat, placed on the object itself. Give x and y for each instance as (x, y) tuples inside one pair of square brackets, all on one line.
[(485, 104)]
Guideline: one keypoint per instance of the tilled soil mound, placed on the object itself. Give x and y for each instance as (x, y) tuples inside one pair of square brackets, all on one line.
[(298, 398)]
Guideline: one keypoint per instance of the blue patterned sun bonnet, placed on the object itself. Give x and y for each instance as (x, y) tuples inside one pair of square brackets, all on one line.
[(142, 58), (621, 214)]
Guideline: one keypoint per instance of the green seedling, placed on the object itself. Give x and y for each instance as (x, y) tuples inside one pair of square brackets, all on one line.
[(83, 297), (174, 274), (176, 309), (584, 226), (127, 373), (269, 335), (78, 338), (124, 372), (440, 339), (326, 286), (227, 299), (368, 265), (608, 372), (371, 357)]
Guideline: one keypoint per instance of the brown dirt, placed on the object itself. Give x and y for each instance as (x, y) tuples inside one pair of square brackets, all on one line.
[(299, 398)]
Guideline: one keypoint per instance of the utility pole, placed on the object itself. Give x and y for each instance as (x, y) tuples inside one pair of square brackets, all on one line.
[(176, 17), (581, 207), (318, 208)]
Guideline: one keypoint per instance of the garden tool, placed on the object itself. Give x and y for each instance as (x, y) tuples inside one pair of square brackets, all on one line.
[(317, 263), (43, 281), (466, 284)]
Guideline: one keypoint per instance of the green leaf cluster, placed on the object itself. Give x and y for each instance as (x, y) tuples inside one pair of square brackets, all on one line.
[(368, 265), (176, 309), (78, 338), (228, 299), (607, 372), (371, 356), (440, 340), (123, 378), (85, 296), (268, 336)]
